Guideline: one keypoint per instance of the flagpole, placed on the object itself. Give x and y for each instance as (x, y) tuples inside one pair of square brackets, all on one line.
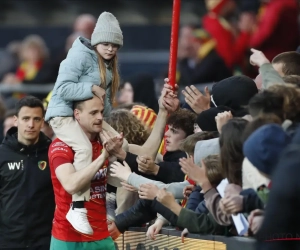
[(174, 42)]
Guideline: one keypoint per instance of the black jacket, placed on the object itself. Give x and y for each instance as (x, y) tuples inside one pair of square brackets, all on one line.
[(251, 201), (169, 169), (26, 193), (146, 210), (282, 218)]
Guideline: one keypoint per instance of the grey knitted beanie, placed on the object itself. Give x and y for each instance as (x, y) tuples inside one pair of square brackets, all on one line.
[(107, 30)]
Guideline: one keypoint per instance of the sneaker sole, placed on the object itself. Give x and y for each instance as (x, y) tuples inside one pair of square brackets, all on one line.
[(76, 228)]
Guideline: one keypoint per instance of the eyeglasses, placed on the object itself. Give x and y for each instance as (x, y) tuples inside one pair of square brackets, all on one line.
[(107, 46)]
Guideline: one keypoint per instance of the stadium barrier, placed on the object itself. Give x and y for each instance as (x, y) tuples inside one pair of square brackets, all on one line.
[(170, 239)]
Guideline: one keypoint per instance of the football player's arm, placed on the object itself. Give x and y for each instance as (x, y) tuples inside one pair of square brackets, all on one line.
[(74, 181)]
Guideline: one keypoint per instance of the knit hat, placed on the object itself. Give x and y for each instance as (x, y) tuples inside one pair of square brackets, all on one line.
[(107, 30), (205, 148), (234, 92), (206, 119), (146, 115), (215, 5), (264, 146)]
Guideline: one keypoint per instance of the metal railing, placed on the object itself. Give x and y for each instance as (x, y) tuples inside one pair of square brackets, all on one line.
[(170, 239), (26, 88)]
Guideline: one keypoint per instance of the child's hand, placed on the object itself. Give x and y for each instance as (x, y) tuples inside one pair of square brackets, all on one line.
[(99, 92), (258, 58)]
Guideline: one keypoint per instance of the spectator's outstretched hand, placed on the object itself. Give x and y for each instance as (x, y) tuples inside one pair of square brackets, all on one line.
[(113, 230), (188, 190), (165, 198), (232, 204), (128, 187), (154, 229), (258, 58), (196, 100), (222, 119), (195, 173), (113, 144), (183, 234), (120, 171), (148, 191), (146, 165), (255, 220), (168, 99)]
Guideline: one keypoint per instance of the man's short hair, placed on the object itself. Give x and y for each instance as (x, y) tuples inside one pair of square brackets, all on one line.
[(189, 143), (290, 62), (31, 102), (183, 119), (291, 103), (78, 105), (266, 102)]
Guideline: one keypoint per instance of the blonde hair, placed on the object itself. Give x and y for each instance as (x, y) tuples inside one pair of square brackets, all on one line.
[(115, 74), (213, 169), (37, 42)]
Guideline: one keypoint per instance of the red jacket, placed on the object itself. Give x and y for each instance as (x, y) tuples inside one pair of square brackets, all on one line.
[(230, 48), (277, 30)]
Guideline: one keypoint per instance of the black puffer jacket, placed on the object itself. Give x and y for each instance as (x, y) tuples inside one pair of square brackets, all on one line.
[(26, 193)]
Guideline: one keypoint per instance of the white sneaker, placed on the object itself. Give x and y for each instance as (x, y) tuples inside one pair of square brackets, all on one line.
[(78, 219), (111, 206)]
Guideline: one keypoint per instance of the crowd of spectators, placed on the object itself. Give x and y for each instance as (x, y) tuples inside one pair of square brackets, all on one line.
[(245, 129)]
